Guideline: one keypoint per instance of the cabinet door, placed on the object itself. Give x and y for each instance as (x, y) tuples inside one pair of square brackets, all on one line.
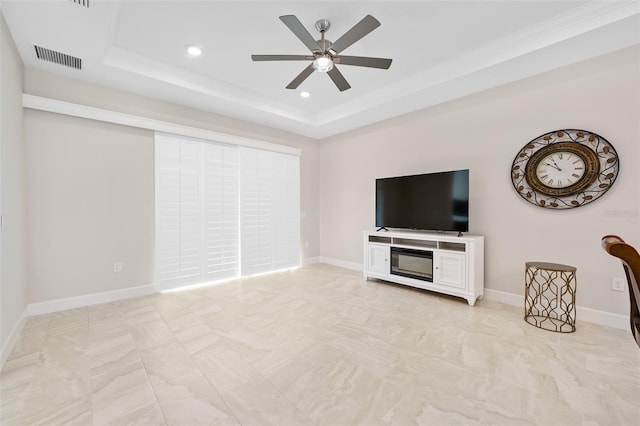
[(449, 270), (378, 258)]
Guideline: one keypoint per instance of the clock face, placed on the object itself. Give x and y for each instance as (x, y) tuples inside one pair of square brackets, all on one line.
[(564, 169), (560, 169)]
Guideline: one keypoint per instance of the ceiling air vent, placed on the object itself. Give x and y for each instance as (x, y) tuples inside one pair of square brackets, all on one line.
[(84, 3), (58, 58)]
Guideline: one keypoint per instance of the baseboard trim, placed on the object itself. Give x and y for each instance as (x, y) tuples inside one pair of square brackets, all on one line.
[(341, 263), (602, 318), (310, 260), (582, 314), (13, 337), (89, 299), (503, 297)]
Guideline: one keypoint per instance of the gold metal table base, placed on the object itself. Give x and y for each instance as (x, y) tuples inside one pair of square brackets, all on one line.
[(550, 296)]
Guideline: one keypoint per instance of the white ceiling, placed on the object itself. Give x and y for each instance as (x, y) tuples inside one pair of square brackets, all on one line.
[(441, 50)]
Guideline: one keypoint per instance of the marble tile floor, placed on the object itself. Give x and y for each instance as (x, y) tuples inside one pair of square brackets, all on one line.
[(316, 345)]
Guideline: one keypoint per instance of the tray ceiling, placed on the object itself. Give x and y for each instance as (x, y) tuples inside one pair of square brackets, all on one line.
[(441, 50)]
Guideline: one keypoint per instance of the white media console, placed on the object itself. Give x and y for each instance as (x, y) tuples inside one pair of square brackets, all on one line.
[(439, 262)]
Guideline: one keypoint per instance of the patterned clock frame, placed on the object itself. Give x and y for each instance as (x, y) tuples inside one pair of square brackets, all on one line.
[(595, 150)]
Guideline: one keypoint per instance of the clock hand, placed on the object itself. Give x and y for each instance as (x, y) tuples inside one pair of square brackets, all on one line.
[(554, 166)]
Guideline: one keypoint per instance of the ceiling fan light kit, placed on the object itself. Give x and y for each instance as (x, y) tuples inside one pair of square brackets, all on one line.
[(325, 54), (323, 63)]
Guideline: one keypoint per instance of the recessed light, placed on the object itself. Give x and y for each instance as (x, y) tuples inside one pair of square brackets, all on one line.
[(194, 50), (305, 94)]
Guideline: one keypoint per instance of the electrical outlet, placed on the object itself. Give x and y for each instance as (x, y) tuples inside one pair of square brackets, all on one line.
[(618, 284), (117, 267)]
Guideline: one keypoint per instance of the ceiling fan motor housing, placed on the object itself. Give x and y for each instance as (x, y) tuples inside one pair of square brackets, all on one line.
[(323, 59), (324, 46)]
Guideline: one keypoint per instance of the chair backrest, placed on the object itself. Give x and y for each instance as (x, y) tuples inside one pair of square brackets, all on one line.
[(630, 258)]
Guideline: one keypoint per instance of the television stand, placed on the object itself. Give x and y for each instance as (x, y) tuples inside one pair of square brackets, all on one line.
[(444, 263), (382, 228)]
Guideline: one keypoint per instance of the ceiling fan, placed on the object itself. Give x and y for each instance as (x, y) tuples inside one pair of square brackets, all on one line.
[(325, 54)]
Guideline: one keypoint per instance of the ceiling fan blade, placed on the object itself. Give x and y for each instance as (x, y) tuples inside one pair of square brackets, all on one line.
[(363, 61), (300, 31), (301, 77), (359, 30), (338, 79), (281, 58)]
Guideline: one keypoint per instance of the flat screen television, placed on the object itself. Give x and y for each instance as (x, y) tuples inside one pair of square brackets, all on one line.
[(432, 201)]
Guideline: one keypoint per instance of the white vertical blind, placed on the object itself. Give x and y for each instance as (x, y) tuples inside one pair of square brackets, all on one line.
[(221, 249), (178, 217), (167, 211), (269, 205), (223, 211), (190, 214), (286, 210)]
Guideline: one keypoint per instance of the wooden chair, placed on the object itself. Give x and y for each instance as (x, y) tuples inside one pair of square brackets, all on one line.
[(630, 258)]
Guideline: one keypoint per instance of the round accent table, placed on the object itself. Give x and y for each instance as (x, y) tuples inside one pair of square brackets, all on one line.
[(550, 296)]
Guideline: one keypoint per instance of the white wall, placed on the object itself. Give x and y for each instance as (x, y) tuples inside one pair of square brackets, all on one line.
[(91, 188), (13, 266), (484, 132), (90, 203)]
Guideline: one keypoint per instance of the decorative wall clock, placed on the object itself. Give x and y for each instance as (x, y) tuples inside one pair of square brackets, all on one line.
[(565, 169)]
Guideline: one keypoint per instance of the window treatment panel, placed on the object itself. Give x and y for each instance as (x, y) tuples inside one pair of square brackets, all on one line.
[(196, 211), (269, 206), (223, 211)]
